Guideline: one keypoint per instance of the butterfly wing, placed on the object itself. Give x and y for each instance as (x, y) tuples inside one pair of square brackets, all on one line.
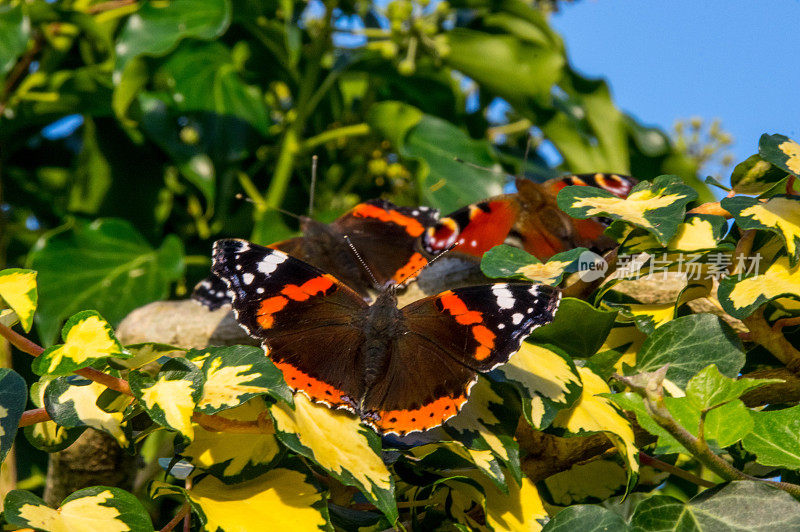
[(212, 292), (386, 236), (307, 319), (449, 338)]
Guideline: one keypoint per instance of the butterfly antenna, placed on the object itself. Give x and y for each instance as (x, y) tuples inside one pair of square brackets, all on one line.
[(484, 168), (313, 185), (242, 197), (361, 261), (527, 152)]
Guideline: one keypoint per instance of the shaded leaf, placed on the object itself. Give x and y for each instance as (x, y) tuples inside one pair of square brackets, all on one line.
[(699, 232), (689, 344), (587, 518), (106, 265), (15, 27), (18, 290), (756, 176), (338, 443), (781, 151), (710, 388), (96, 508), (171, 397), (595, 480), (231, 456), (13, 398), (741, 505), (595, 325), (87, 339), (779, 214), (509, 262), (447, 455), (656, 206), (48, 436), (143, 354)]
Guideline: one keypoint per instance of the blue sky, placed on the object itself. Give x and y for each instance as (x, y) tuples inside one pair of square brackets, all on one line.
[(735, 60)]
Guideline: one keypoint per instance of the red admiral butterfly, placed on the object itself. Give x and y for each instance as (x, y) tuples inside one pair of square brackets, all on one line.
[(386, 235), (399, 370), (529, 219)]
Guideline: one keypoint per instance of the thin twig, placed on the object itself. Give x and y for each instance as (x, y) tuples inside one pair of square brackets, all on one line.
[(20, 342), (32, 417), (655, 463), (183, 512)]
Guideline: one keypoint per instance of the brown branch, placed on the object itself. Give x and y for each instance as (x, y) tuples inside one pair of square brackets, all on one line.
[(713, 207), (646, 459), (183, 512), (773, 340), (20, 342), (31, 417)]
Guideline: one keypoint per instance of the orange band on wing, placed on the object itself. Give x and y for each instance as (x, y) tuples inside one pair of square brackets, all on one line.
[(455, 306), (414, 264), (315, 389), (268, 308), (310, 288), (413, 226), (431, 415)]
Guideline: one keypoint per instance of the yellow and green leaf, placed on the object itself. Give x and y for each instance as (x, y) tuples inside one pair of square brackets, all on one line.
[(487, 423), (741, 297), (237, 373), (756, 176), (232, 456), (171, 397), (96, 508), (595, 413), (618, 351), (657, 206), (18, 290), (519, 509), (145, 353), (340, 444), (49, 436), (284, 498), (781, 151), (444, 456), (779, 214), (594, 481), (547, 380), (13, 398), (508, 262), (72, 402), (87, 339), (699, 232)]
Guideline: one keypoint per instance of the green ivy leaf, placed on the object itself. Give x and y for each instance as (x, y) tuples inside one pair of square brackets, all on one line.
[(657, 206), (632, 402), (95, 508), (723, 426), (87, 339), (710, 388), (689, 344), (444, 182), (157, 27), (171, 397), (781, 151), (13, 398), (237, 373), (509, 262), (595, 325), (741, 505), (586, 518), (775, 439), (106, 265), (15, 27)]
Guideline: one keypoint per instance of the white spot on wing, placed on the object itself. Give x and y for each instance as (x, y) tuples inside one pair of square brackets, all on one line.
[(248, 277), (505, 299), (516, 318), (270, 263)]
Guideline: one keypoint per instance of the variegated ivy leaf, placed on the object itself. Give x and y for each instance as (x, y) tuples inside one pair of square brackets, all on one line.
[(781, 151), (699, 232), (488, 422), (779, 214), (13, 398), (72, 402), (656, 206), (171, 397), (145, 353), (231, 456), (508, 262), (49, 436), (284, 498), (595, 413), (236, 373), (756, 176), (448, 455), (96, 508), (340, 444), (87, 338), (18, 290), (547, 379), (618, 351), (520, 509), (741, 297), (594, 481)]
